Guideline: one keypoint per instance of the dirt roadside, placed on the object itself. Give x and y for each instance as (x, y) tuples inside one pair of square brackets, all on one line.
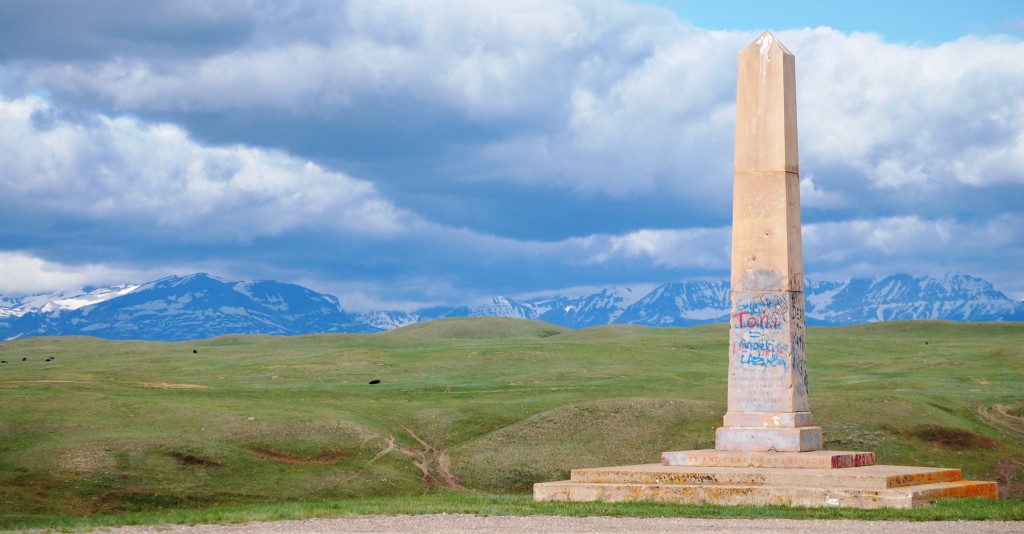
[(455, 523)]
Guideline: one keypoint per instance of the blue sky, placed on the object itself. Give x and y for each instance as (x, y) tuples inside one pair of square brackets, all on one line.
[(923, 22), (410, 153)]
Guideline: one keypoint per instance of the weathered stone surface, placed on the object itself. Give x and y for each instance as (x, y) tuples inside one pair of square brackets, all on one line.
[(767, 356), (862, 487), (768, 406), (873, 477), (910, 497), (743, 438), (819, 459), (767, 252), (772, 419), (767, 244), (766, 133)]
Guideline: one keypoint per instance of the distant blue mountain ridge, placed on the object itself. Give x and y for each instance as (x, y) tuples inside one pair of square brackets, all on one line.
[(201, 306)]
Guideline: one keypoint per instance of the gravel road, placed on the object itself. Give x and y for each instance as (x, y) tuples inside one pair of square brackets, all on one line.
[(451, 523)]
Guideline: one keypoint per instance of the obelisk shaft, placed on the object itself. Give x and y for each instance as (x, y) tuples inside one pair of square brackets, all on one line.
[(768, 408)]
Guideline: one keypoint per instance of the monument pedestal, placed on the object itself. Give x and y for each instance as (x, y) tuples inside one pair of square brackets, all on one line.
[(869, 486), (791, 460), (741, 438), (816, 478)]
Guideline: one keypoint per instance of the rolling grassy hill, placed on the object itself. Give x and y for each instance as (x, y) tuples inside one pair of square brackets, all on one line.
[(90, 426)]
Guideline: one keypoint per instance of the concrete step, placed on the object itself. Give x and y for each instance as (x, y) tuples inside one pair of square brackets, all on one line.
[(821, 459), (900, 497), (867, 477)]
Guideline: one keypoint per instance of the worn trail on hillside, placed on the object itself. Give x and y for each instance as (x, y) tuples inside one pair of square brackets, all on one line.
[(432, 461)]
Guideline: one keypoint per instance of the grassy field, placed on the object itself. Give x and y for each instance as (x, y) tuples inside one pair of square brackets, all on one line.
[(465, 409)]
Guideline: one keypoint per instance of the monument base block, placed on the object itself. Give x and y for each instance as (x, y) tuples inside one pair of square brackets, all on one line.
[(745, 438), (871, 486), (789, 460)]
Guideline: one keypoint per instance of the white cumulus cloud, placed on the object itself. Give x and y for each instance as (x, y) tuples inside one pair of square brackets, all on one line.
[(704, 248), (23, 273), (118, 167), (598, 96)]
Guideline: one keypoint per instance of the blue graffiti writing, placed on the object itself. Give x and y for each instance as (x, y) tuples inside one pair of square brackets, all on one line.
[(760, 361), (758, 351)]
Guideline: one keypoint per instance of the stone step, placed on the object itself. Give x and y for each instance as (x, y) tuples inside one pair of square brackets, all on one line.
[(902, 497), (821, 459), (867, 477)]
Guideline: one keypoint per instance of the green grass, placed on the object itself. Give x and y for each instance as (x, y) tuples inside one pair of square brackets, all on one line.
[(517, 504), (470, 411)]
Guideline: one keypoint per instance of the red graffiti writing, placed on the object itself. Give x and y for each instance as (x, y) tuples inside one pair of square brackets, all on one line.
[(745, 320)]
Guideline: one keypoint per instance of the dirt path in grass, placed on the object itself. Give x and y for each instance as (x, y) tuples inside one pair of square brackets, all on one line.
[(433, 462), (548, 524)]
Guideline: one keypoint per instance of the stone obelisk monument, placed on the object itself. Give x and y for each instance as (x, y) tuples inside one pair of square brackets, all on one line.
[(768, 408), (768, 450)]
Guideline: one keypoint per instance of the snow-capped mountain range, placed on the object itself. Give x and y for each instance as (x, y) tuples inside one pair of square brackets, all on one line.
[(200, 306), (178, 308)]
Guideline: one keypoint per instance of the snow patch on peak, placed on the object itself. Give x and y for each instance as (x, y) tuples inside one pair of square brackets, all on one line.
[(388, 320), (61, 301), (502, 307), (177, 281), (244, 288), (87, 299)]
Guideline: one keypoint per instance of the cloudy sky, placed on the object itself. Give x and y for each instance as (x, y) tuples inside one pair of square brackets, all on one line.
[(401, 153)]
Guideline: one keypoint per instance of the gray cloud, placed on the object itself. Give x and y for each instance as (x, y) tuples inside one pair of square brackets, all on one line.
[(68, 30), (482, 146)]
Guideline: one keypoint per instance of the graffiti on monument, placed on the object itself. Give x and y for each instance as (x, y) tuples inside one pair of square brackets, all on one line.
[(762, 319), (799, 353)]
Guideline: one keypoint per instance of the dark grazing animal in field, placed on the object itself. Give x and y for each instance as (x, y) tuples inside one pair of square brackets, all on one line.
[(375, 381)]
